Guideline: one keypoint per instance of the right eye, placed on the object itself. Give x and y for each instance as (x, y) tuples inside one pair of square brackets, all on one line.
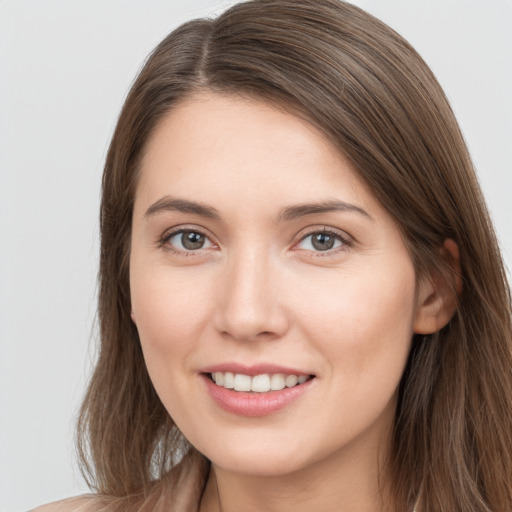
[(187, 240)]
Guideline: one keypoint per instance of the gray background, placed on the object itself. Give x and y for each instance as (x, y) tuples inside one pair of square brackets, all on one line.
[(65, 68)]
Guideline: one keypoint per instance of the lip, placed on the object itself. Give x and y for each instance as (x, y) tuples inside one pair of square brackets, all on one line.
[(254, 404)]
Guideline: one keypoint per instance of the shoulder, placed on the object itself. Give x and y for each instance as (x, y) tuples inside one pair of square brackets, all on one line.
[(86, 503)]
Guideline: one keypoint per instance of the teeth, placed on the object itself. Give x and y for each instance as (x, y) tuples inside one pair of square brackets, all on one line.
[(259, 383), (242, 382), (229, 380), (277, 382), (291, 380)]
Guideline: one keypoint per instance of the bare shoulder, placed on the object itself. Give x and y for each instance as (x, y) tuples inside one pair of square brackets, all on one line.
[(86, 503)]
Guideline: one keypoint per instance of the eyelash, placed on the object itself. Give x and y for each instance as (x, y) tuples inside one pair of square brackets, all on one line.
[(165, 244), (345, 241)]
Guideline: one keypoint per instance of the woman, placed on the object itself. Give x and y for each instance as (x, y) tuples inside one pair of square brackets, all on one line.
[(302, 302)]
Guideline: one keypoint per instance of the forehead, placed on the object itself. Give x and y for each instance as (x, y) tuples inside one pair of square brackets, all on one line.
[(228, 146), (233, 135), (211, 118)]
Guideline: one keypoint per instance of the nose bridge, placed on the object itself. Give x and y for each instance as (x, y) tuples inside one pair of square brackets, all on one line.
[(250, 303)]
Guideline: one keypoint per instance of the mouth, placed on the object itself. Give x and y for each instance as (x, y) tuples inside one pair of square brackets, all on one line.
[(256, 390), (262, 383)]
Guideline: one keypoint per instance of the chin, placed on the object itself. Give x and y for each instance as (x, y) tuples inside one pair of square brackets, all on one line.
[(260, 466), (264, 460)]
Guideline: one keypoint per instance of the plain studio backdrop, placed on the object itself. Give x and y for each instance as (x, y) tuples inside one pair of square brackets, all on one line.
[(65, 68)]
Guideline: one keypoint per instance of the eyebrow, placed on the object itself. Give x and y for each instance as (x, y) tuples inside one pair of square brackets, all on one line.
[(166, 204), (334, 205)]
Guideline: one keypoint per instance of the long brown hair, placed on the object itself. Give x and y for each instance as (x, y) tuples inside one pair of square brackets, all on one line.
[(374, 97)]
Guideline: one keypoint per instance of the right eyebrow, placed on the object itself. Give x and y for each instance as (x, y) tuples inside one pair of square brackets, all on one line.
[(167, 204)]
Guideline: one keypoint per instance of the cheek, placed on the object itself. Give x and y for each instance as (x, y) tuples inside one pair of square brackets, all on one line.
[(362, 329), (171, 310), (362, 322), (171, 307)]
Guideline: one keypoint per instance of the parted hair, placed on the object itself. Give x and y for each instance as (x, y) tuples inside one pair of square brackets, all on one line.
[(373, 96)]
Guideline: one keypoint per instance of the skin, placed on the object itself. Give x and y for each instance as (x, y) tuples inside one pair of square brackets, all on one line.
[(259, 291)]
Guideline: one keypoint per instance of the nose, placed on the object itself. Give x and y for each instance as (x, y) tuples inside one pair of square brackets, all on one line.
[(250, 303)]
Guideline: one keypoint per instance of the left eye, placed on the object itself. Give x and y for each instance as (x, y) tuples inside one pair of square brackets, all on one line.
[(321, 241), (189, 240)]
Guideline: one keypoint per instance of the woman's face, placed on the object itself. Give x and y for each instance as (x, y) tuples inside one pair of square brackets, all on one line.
[(260, 257)]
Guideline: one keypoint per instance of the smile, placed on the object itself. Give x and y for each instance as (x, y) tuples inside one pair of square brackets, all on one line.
[(256, 393), (258, 383)]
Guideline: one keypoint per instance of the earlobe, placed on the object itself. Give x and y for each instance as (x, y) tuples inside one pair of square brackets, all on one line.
[(132, 315), (438, 294)]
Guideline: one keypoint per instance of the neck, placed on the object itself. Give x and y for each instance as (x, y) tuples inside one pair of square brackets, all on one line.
[(345, 481)]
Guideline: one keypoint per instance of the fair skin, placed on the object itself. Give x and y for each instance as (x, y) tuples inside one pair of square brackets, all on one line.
[(253, 278), (229, 270)]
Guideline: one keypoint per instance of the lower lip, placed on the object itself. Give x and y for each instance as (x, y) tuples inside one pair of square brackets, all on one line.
[(254, 404)]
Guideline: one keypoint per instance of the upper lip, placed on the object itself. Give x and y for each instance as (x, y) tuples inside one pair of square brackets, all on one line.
[(253, 369)]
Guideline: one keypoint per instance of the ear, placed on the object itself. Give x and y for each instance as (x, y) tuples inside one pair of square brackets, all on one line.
[(132, 315), (438, 293)]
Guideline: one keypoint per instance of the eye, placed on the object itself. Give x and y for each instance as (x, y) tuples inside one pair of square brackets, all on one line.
[(187, 240), (322, 241)]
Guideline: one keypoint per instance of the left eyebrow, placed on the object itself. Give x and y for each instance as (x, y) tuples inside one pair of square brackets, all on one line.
[(301, 210)]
